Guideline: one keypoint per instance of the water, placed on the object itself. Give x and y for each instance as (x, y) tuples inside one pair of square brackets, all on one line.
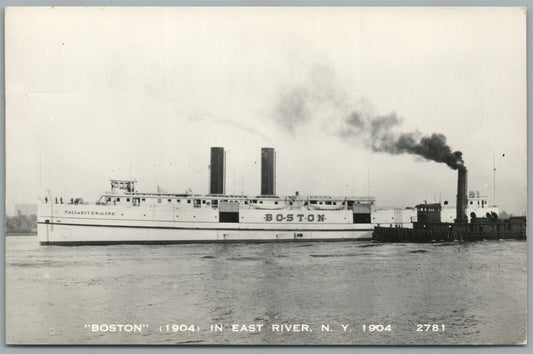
[(476, 290)]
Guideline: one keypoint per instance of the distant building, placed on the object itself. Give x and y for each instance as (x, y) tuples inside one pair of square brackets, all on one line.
[(26, 209), (25, 222)]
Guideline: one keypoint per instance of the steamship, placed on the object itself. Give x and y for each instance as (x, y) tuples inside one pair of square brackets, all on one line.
[(467, 226), (125, 215)]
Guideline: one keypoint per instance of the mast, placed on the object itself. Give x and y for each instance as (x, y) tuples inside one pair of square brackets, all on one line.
[(494, 179)]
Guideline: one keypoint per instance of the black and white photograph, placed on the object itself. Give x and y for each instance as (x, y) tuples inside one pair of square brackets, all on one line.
[(265, 176)]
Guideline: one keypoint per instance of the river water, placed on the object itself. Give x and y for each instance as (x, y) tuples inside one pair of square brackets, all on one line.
[(469, 293)]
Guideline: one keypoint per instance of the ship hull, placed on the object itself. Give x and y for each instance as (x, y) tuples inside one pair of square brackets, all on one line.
[(441, 234), (83, 224), (77, 234)]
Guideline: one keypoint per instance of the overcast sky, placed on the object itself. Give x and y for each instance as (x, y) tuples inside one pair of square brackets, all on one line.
[(100, 93)]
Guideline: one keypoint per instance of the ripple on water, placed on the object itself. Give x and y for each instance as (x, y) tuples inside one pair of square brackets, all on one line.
[(478, 290)]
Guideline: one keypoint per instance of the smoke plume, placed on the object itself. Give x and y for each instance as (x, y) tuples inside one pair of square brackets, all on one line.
[(300, 105), (380, 133)]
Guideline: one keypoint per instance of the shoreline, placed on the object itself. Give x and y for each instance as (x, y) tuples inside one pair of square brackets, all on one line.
[(21, 233)]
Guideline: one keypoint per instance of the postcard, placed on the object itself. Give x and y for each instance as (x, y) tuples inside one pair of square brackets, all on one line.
[(266, 176)]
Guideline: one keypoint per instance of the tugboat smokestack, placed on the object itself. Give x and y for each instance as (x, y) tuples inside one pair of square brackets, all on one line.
[(217, 184), (462, 186), (268, 171)]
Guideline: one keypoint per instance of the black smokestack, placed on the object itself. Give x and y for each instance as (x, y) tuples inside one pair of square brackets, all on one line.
[(218, 171), (462, 186), (268, 171)]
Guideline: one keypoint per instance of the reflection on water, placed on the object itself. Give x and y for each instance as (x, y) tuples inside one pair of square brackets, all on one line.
[(476, 290)]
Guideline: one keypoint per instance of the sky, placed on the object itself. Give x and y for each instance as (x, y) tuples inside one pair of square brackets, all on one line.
[(110, 92)]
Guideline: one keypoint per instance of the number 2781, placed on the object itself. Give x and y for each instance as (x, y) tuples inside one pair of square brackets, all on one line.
[(430, 327)]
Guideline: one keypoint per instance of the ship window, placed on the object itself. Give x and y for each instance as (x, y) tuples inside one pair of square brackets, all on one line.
[(178, 201), (471, 202), (254, 201), (188, 201), (313, 202), (276, 203), (203, 201), (246, 202), (144, 199), (169, 200), (108, 199), (118, 199), (127, 199), (260, 202), (321, 203)]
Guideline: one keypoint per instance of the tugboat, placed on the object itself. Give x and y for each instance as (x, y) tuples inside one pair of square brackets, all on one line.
[(429, 228)]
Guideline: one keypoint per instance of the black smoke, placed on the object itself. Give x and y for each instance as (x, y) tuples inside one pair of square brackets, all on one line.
[(381, 134), (320, 100), (293, 108)]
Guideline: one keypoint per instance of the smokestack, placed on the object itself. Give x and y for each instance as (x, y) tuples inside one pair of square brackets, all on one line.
[(218, 171), (462, 186), (268, 171)]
